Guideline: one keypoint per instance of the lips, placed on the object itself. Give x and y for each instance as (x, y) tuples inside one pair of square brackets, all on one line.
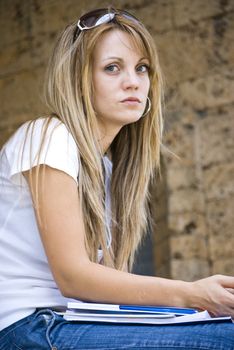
[(131, 99)]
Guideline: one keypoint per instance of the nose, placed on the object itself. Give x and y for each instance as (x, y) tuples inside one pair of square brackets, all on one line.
[(130, 80)]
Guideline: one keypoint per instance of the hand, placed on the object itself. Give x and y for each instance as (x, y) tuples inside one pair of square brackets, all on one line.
[(215, 294)]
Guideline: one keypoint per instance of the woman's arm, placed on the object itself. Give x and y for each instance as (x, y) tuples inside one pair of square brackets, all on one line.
[(62, 233)]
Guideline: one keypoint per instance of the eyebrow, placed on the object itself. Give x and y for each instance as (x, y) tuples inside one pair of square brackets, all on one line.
[(120, 59)]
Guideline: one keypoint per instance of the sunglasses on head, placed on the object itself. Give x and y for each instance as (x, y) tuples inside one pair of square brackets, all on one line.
[(100, 16)]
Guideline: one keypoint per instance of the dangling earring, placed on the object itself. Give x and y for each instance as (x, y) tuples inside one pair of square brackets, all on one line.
[(148, 109)]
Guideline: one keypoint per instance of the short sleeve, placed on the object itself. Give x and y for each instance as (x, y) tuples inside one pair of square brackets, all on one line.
[(58, 149)]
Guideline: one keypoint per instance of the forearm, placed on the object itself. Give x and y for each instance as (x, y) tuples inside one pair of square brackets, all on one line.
[(95, 282)]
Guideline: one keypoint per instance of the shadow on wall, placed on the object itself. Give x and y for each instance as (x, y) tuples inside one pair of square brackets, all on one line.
[(144, 263), (153, 257)]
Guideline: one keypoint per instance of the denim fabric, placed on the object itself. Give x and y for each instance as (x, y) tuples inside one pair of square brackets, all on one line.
[(47, 330)]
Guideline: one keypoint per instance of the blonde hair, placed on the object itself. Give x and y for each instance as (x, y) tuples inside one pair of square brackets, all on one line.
[(135, 150)]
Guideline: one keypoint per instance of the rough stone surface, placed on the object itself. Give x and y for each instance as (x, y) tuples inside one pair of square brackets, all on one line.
[(218, 181), (192, 205), (216, 131), (194, 11), (213, 90), (188, 200), (188, 246), (21, 95), (220, 217), (158, 17), (189, 269), (221, 265), (188, 223), (221, 245)]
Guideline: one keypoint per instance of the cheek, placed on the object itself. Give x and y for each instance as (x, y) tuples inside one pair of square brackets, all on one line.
[(147, 85), (101, 98), (101, 88), (97, 92)]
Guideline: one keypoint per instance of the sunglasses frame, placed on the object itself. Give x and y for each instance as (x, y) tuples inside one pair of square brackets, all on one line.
[(108, 13)]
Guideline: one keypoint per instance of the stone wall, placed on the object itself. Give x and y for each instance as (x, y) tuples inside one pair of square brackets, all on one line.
[(193, 202), (195, 230)]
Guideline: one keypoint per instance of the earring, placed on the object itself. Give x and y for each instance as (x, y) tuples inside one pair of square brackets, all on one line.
[(148, 109)]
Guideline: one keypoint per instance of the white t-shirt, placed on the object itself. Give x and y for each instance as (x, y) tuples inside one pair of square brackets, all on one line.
[(26, 282)]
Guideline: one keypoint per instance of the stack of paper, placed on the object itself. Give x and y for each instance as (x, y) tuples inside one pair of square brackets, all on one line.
[(93, 312)]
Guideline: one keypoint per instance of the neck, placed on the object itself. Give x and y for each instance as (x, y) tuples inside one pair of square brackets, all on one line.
[(106, 137)]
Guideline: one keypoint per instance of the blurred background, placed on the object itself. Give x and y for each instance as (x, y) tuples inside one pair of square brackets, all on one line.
[(193, 203)]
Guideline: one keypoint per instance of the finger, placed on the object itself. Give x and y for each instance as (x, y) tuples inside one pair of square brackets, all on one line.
[(231, 313), (225, 311), (226, 281), (222, 311), (230, 290), (229, 301)]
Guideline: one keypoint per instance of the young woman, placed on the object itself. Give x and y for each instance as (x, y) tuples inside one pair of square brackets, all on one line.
[(74, 190)]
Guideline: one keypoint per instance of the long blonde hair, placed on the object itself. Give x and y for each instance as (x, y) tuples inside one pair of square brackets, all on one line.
[(135, 150)]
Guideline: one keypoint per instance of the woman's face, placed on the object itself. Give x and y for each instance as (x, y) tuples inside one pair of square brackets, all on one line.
[(120, 80)]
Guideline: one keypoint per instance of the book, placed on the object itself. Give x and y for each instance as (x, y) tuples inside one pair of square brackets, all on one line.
[(130, 308), (137, 314)]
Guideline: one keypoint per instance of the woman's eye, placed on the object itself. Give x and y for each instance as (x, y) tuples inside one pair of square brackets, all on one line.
[(112, 68), (143, 68)]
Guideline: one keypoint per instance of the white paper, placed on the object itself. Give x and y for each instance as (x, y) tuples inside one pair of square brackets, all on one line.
[(93, 312)]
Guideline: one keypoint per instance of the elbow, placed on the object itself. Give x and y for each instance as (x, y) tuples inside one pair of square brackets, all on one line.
[(75, 283), (66, 291), (74, 293)]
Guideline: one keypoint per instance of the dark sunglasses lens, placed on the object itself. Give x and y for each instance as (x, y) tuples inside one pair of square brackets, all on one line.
[(91, 18)]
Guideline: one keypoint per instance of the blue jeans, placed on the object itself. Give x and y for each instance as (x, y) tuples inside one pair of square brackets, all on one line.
[(46, 330)]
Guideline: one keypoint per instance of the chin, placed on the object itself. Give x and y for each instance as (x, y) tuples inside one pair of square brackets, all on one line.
[(133, 118)]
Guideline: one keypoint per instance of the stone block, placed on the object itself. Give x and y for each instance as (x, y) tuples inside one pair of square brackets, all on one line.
[(52, 16), (191, 223), (186, 200), (9, 126), (157, 16), (42, 47), (187, 247), (16, 57), (212, 47), (186, 12), (15, 22), (219, 181), (175, 110), (223, 42), (5, 133), (21, 95), (179, 141), (182, 61), (217, 137), (223, 266), (221, 246), (189, 269), (180, 178), (220, 216), (213, 90)]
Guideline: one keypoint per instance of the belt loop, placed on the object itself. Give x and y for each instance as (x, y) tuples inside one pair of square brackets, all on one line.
[(48, 312)]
